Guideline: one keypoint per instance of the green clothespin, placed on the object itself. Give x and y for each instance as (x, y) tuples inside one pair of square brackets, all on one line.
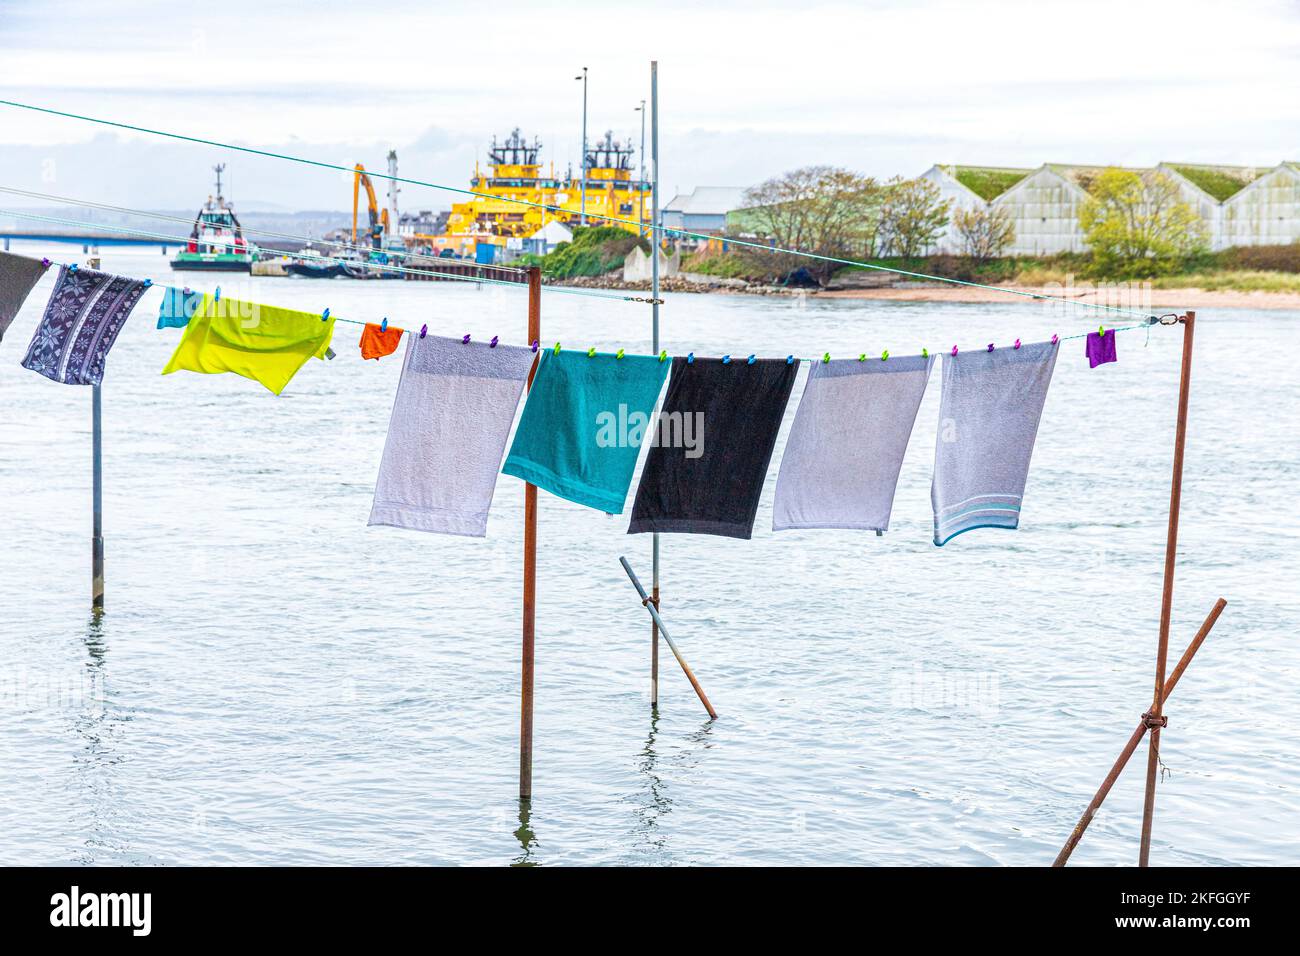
[(884, 356), (618, 354), (591, 352), (826, 358), (862, 357), (663, 355), (557, 348), (1101, 330), (925, 353)]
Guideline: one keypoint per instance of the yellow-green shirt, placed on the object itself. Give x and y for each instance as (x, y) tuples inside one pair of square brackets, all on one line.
[(261, 342)]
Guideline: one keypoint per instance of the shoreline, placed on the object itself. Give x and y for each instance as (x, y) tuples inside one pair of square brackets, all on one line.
[(1141, 300)]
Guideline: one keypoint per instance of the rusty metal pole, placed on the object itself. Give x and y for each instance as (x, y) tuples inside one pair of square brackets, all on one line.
[(1077, 834), (97, 502), (530, 569), (1155, 719)]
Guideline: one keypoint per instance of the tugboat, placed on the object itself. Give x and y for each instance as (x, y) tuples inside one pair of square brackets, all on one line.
[(217, 239)]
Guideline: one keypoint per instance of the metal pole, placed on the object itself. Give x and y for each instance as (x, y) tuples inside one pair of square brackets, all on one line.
[(582, 218), (654, 341), (97, 503), (654, 614), (1155, 719), (1077, 834), (641, 185), (530, 570)]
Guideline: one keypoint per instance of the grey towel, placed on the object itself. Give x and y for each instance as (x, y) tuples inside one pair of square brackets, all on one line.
[(17, 276), (452, 415), (988, 419), (846, 447), (86, 311), (711, 484)]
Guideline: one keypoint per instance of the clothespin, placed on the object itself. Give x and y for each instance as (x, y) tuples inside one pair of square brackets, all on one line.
[(185, 291), (1101, 330), (663, 355), (954, 350), (925, 353), (1017, 345), (424, 330), (618, 354), (750, 360), (726, 360), (324, 316), (72, 268), (216, 297), (46, 262), (826, 357), (990, 346), (862, 357), (465, 340), (535, 344), (884, 356), (1053, 339), (383, 326), (557, 348), (591, 352), (690, 358), (147, 283), (493, 343), (789, 360)]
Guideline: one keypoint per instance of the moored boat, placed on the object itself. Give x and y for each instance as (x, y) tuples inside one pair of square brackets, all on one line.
[(216, 242)]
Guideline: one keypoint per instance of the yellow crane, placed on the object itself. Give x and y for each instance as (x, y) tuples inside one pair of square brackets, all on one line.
[(379, 224)]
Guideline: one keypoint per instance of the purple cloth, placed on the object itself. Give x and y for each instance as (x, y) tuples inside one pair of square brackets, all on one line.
[(81, 322), (1101, 348)]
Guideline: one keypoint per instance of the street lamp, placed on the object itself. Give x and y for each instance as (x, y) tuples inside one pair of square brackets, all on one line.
[(640, 186), (582, 218)]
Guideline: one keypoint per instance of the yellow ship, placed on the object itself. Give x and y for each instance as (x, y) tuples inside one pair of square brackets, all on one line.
[(515, 173)]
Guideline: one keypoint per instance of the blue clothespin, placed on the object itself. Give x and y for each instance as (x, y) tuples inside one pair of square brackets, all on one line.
[(325, 316), (726, 360), (72, 268), (465, 340), (750, 360), (789, 360), (690, 358), (148, 282), (493, 343), (383, 326), (424, 330)]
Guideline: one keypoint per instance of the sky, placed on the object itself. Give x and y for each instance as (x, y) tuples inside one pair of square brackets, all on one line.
[(746, 90)]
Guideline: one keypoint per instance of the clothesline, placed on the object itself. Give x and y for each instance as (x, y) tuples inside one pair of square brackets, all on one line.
[(655, 227), (455, 277)]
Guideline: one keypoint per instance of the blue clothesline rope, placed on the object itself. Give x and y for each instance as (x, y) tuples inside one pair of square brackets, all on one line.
[(656, 227)]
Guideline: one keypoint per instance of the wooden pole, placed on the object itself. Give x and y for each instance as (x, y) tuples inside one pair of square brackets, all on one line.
[(655, 238), (530, 569), (97, 503), (1155, 719), (1077, 834)]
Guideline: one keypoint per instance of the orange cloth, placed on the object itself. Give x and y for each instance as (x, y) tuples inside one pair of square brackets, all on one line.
[(376, 342)]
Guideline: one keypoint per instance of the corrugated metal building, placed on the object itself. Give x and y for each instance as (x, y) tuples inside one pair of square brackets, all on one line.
[(704, 209)]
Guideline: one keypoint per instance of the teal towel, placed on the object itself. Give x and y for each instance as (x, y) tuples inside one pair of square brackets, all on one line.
[(583, 425), (178, 307)]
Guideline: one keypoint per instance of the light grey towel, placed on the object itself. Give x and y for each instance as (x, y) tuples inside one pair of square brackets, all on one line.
[(451, 418), (988, 419), (846, 447), (17, 276)]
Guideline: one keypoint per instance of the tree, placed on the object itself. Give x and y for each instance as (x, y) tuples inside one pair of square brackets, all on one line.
[(821, 209), (1139, 224), (912, 216), (985, 231)]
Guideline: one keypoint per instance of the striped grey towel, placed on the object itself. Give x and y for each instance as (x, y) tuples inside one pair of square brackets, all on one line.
[(988, 419)]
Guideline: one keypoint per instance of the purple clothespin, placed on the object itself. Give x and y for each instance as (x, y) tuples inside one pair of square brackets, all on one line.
[(493, 343), (990, 346), (46, 262), (465, 340), (424, 330), (535, 345)]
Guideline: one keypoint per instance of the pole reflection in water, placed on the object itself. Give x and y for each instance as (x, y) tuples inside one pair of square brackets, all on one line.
[(527, 839)]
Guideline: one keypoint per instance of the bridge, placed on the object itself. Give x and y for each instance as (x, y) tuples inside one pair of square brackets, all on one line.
[(84, 238)]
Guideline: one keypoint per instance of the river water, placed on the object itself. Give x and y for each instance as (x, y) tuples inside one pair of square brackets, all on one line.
[(274, 682)]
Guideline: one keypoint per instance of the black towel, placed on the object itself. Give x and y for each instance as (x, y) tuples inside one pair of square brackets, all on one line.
[(712, 485)]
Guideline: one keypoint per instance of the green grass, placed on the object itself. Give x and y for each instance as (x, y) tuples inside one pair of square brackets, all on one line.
[(593, 252), (721, 264), (1231, 281), (988, 184), (1218, 184)]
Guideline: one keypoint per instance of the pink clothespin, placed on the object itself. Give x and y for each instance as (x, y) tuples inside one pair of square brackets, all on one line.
[(1017, 345), (954, 350)]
